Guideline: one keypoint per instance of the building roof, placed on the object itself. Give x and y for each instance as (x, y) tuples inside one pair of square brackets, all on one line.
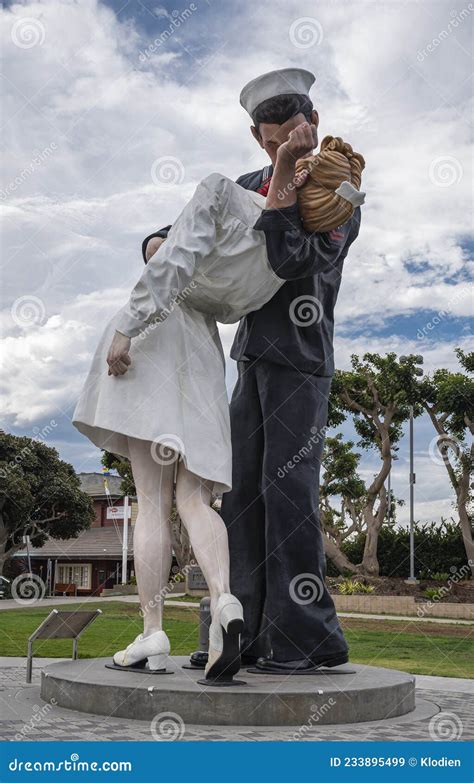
[(98, 543), (93, 484)]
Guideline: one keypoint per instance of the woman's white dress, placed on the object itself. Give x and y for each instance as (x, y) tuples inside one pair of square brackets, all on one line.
[(213, 265)]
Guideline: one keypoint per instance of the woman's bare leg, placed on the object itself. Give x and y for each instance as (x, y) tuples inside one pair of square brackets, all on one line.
[(206, 530), (152, 545)]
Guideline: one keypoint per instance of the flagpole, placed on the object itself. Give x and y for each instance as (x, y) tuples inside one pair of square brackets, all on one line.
[(125, 540)]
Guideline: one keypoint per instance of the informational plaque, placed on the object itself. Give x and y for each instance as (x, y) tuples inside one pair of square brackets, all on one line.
[(195, 579), (60, 625)]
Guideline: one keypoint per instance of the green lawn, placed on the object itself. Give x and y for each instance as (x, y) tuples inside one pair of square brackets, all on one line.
[(194, 599), (118, 626), (420, 648)]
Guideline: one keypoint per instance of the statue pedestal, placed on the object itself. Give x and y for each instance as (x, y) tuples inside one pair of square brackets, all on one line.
[(367, 694)]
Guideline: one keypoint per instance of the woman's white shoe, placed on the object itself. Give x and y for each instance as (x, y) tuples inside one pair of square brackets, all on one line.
[(224, 638), (155, 648)]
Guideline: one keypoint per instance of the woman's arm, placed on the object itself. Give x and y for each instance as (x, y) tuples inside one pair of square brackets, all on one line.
[(164, 278)]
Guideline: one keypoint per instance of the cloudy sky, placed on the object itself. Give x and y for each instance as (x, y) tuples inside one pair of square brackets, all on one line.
[(114, 111)]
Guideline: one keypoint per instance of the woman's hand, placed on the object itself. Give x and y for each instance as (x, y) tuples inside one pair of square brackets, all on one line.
[(118, 357)]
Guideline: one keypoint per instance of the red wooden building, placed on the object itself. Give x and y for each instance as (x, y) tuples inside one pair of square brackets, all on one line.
[(93, 560)]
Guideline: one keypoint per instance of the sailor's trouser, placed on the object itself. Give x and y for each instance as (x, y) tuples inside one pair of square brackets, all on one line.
[(278, 419)]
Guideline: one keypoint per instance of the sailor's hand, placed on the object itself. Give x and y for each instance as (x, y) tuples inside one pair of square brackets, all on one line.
[(152, 246), (301, 142), (118, 357)]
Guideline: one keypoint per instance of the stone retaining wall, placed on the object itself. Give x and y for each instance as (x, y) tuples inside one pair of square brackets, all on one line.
[(402, 604)]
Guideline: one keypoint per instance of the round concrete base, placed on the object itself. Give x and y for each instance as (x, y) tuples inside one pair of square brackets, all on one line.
[(365, 694)]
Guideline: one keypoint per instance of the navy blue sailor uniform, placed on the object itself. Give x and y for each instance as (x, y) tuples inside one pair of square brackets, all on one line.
[(278, 413)]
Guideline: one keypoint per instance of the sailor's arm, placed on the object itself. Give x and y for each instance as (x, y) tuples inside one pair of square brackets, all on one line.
[(293, 252), (152, 242)]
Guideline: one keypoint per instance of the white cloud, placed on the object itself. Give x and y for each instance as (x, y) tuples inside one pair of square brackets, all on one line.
[(87, 120)]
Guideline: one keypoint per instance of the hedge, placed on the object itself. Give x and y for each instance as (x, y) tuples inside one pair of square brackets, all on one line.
[(438, 548)]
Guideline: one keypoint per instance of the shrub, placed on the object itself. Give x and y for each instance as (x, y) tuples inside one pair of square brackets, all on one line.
[(432, 593), (437, 576), (352, 587)]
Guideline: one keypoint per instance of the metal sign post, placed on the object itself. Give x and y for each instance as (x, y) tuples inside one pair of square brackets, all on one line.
[(60, 625)]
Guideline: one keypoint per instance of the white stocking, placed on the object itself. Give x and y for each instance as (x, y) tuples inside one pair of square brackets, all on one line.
[(206, 530), (152, 545)]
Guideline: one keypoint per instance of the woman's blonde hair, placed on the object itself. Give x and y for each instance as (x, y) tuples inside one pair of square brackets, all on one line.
[(321, 208)]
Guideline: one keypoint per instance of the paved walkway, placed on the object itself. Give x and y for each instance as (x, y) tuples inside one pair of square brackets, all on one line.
[(10, 603), (443, 704)]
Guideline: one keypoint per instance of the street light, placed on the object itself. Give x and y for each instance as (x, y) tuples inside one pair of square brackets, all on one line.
[(389, 488), (412, 579)]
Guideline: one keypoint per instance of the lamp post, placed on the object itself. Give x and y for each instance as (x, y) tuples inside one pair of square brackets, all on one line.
[(389, 493), (389, 487), (412, 579)]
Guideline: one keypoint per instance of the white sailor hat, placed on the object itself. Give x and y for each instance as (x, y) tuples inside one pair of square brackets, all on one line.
[(287, 80)]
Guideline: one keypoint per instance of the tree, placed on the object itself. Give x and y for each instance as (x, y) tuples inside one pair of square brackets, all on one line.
[(340, 478), (377, 392), (179, 535), (40, 496), (449, 402)]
